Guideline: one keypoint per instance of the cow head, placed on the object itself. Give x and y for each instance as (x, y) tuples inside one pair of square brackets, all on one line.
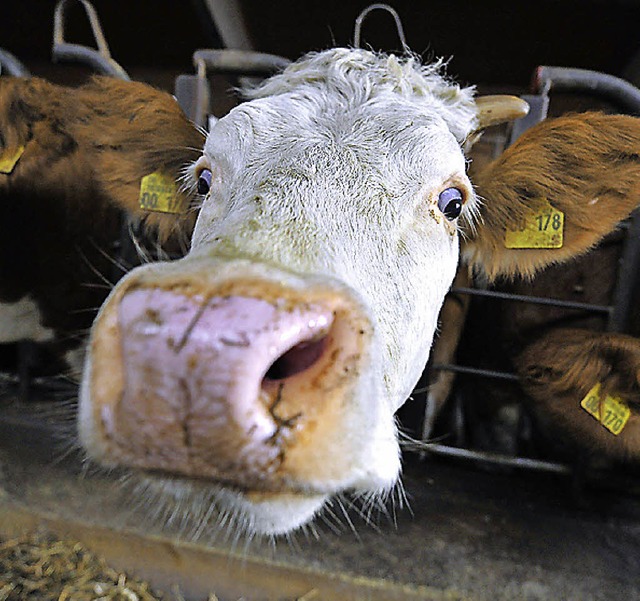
[(269, 363)]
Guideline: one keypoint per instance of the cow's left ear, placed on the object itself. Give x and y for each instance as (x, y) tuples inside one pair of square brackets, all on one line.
[(555, 193)]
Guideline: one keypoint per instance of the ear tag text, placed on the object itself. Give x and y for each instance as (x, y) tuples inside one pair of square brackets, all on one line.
[(159, 192), (8, 159), (612, 412), (542, 227)]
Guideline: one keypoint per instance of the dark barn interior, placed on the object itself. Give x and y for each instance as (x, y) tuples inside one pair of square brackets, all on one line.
[(495, 523)]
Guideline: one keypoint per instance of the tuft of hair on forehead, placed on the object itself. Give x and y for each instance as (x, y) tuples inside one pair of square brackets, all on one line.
[(357, 76)]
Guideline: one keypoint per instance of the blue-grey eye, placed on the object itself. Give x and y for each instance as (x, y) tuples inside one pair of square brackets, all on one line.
[(450, 203), (204, 181)]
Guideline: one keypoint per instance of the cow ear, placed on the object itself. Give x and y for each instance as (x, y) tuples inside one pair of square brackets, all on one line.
[(555, 193), (569, 362), (569, 377)]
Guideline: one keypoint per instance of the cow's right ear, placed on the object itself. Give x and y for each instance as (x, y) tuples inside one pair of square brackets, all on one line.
[(555, 193)]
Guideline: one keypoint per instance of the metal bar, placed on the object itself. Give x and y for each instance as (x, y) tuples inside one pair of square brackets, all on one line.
[(538, 110), (614, 89), (627, 277), (239, 62), (99, 60), (12, 65), (234, 62), (538, 300), (94, 22), (76, 53), (229, 20), (496, 458), (474, 371), (380, 6)]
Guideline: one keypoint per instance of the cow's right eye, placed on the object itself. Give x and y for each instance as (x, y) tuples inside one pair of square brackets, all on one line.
[(204, 181)]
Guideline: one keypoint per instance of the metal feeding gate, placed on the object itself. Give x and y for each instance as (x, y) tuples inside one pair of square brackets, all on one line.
[(626, 98)]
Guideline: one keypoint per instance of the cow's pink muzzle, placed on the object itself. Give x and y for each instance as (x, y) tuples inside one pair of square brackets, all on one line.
[(226, 384)]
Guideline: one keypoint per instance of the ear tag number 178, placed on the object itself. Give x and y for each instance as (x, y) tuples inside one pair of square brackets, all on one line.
[(542, 227)]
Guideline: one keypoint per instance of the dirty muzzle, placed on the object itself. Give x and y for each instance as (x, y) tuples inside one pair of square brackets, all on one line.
[(245, 380)]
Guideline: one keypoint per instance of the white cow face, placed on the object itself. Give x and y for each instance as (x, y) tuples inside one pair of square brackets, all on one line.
[(367, 196), (271, 360)]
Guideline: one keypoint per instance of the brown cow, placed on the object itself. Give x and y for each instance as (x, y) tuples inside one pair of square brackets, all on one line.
[(558, 373), (71, 163), (588, 277)]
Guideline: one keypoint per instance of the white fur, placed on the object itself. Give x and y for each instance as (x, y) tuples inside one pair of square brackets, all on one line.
[(337, 163), (333, 171)]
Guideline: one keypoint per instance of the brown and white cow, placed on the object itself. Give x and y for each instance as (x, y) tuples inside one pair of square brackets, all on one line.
[(71, 165), (527, 337), (268, 364)]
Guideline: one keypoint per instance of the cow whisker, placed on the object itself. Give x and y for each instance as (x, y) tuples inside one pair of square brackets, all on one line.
[(409, 443), (400, 498), (84, 310), (310, 528), (203, 132), (94, 270), (96, 286), (331, 519), (140, 250), (120, 264), (344, 506), (370, 502), (364, 505)]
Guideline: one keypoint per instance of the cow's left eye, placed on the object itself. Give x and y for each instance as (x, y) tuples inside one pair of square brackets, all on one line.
[(450, 203), (204, 181)]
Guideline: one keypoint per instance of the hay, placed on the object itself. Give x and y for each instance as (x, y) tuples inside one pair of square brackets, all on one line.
[(43, 568)]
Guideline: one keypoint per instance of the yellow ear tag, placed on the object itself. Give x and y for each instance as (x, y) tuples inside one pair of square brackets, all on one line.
[(612, 412), (542, 227), (159, 192), (9, 157)]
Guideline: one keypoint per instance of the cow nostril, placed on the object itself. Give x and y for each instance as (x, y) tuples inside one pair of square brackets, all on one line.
[(297, 359)]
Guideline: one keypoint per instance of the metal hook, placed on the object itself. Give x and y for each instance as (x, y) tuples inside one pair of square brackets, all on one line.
[(12, 65), (98, 35), (392, 11), (101, 59)]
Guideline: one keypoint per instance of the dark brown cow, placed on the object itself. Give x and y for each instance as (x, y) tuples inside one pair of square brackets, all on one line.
[(71, 164)]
